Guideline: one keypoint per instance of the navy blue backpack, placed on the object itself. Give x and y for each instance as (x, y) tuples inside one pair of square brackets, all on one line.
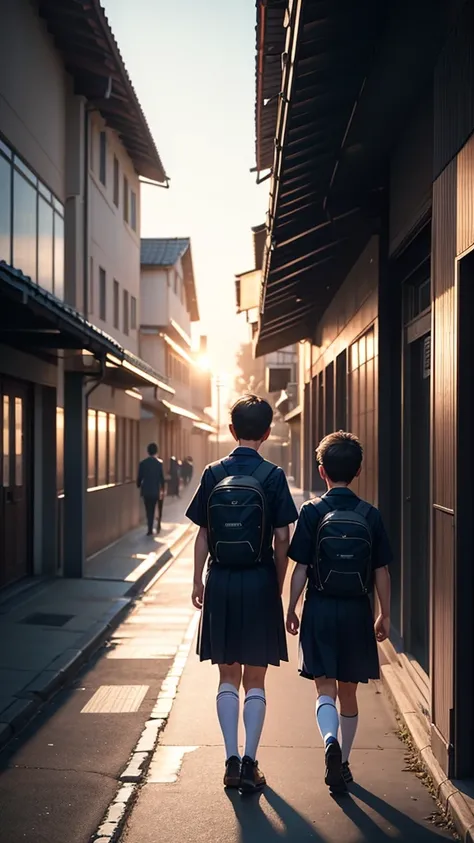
[(239, 528), (342, 562)]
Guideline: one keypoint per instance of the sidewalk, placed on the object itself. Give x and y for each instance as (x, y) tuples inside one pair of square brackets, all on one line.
[(183, 797), (49, 628)]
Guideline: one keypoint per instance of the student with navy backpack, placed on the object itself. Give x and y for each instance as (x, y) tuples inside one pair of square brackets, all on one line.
[(342, 551), (243, 508)]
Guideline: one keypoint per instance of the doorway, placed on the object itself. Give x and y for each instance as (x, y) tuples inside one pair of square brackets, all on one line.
[(15, 521), (416, 471)]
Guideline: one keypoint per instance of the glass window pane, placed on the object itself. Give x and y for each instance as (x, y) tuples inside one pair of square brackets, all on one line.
[(5, 210), (60, 449), (133, 210), (58, 206), (58, 256), (25, 170), (102, 294), (24, 226), (18, 442), (133, 313), (45, 245), (91, 448), (354, 356), (45, 192), (6, 150), (116, 304), (125, 198), (125, 312), (6, 440), (101, 449), (370, 345), (112, 448), (116, 181)]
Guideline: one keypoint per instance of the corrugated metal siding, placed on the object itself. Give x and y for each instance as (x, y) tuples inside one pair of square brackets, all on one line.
[(453, 85), (465, 197), (443, 472), (411, 174)]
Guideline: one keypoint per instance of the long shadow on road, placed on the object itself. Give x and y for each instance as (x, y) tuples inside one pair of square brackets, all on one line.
[(256, 826)]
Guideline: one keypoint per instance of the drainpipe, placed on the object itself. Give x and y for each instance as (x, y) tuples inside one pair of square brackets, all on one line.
[(85, 244)]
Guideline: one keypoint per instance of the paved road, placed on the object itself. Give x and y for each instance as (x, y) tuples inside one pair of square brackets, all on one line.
[(58, 779), (183, 798)]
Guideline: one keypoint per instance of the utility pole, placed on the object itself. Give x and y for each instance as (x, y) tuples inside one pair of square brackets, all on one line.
[(219, 385)]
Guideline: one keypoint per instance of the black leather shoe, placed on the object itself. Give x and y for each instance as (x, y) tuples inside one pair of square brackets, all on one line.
[(334, 778), (232, 772), (346, 772), (251, 777)]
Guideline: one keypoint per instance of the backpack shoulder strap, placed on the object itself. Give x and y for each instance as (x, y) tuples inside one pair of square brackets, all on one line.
[(322, 505), (363, 508), (263, 471), (218, 472)]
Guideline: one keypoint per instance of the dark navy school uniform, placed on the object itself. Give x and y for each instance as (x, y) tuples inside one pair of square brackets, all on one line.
[(337, 636), (242, 615)]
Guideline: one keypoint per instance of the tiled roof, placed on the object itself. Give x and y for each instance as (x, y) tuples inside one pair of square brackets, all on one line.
[(163, 251)]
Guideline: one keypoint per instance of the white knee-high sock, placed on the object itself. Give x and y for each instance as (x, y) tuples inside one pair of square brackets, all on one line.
[(348, 732), (254, 716), (328, 718), (228, 704)]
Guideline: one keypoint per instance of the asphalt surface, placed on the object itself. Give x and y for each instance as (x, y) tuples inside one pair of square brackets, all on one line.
[(59, 777), (183, 798)]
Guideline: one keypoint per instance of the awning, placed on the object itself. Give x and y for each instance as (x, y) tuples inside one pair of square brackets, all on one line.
[(352, 71), (294, 415), (91, 55), (206, 428), (180, 411), (32, 319)]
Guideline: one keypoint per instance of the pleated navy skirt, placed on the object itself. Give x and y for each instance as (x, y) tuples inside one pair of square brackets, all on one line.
[(337, 639), (242, 617)]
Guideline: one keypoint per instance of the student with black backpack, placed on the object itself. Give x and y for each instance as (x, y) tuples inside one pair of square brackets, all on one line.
[(243, 508), (341, 550)]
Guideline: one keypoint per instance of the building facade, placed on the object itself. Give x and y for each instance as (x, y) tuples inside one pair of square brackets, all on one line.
[(73, 142), (369, 265), (168, 308)]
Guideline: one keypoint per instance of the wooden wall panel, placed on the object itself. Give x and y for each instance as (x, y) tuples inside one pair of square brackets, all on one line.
[(465, 197), (444, 448)]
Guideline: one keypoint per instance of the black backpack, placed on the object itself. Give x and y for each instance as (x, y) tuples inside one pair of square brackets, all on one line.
[(239, 527), (343, 557)]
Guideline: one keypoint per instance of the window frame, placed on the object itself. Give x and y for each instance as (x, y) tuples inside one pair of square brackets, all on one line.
[(126, 199), (126, 312), (102, 294), (103, 157), (116, 182), (116, 322), (133, 313)]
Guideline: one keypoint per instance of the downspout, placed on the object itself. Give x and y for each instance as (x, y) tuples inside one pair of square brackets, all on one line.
[(85, 221)]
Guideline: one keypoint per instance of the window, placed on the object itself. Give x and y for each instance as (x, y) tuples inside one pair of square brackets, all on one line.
[(6, 440), (58, 256), (5, 210), (103, 158), (91, 448), (133, 210), (116, 181), (125, 312), (102, 295), (101, 448), (362, 410), (35, 244), (125, 198), (112, 450), (133, 313), (116, 304), (60, 449), (24, 225), (91, 286), (45, 244)]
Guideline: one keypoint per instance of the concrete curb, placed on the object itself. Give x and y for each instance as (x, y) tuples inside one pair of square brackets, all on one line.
[(139, 762), (68, 664), (448, 795)]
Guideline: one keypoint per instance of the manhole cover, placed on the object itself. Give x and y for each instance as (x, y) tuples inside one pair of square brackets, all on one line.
[(47, 619)]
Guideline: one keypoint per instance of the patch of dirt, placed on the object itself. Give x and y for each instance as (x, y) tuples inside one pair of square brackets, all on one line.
[(439, 817)]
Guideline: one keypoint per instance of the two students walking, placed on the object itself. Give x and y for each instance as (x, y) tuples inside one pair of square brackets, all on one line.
[(244, 509)]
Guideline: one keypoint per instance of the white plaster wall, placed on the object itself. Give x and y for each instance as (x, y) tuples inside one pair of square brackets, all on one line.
[(33, 92), (154, 296), (113, 245)]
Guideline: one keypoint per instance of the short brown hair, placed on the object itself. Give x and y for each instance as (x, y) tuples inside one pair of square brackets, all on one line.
[(251, 417), (340, 454)]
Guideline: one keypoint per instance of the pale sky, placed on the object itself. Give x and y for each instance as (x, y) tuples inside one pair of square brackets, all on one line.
[(192, 63)]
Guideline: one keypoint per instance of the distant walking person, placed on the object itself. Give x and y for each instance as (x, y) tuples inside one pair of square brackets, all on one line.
[(151, 482), (174, 477)]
